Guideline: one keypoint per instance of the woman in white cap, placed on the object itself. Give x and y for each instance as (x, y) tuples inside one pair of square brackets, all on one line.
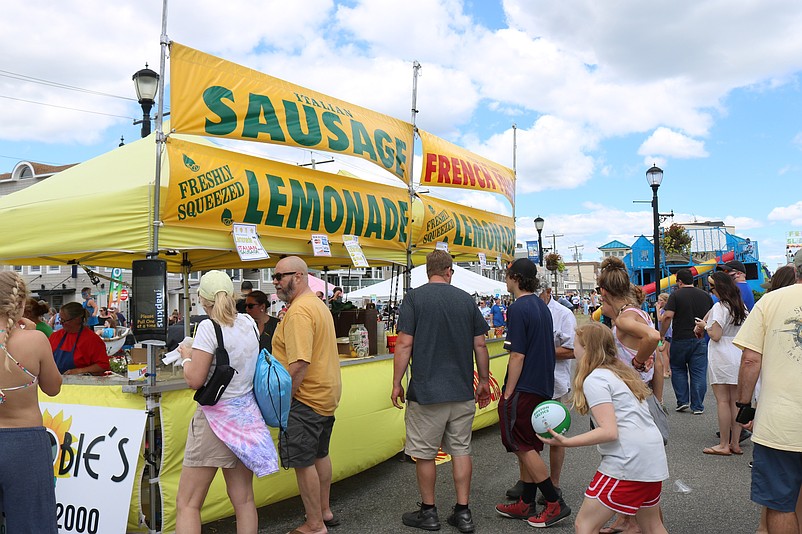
[(234, 423)]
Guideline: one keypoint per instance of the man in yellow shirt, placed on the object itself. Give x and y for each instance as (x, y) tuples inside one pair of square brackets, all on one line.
[(305, 343), (771, 339)]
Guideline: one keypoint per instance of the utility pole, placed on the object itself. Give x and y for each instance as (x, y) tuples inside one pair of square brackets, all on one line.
[(313, 163), (577, 257), (554, 250)]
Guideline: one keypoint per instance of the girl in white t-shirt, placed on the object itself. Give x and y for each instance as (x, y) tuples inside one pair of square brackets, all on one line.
[(633, 467)]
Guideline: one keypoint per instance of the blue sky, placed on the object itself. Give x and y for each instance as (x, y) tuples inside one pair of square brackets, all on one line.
[(709, 91)]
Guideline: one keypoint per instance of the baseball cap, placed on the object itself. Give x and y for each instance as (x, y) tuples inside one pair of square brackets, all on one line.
[(214, 282), (523, 267), (733, 265)]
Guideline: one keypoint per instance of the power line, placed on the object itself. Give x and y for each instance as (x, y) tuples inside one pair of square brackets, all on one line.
[(66, 107), (26, 78)]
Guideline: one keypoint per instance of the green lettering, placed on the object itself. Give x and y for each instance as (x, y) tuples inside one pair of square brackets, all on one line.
[(354, 213), (259, 107), (402, 230), (384, 147), (458, 234), (362, 142), (374, 218), (312, 135), (333, 123), (333, 211), (277, 200), (253, 214), (391, 221), (467, 241), (213, 98), (305, 206), (400, 157)]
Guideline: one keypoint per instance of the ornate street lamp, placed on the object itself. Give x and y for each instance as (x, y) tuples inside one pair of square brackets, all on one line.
[(146, 83), (655, 177), (539, 227)]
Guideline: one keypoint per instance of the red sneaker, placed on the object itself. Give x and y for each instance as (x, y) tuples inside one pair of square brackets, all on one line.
[(553, 513), (516, 510)]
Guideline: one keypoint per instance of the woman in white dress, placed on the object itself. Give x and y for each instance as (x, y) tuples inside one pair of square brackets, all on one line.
[(722, 324)]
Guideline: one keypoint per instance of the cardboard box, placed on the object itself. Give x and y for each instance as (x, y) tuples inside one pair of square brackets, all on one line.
[(137, 371), (139, 355)]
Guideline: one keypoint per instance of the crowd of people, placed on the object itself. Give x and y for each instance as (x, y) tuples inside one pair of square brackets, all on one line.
[(750, 353)]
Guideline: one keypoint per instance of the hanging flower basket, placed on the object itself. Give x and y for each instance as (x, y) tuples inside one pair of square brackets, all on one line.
[(553, 261)]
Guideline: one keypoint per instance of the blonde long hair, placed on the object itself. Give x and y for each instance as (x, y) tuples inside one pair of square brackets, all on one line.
[(601, 353), (223, 310), (13, 294)]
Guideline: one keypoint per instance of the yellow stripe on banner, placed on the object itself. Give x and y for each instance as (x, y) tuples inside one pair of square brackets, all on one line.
[(216, 98)]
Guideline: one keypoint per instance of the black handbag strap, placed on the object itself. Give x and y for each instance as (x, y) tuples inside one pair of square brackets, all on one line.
[(221, 354)]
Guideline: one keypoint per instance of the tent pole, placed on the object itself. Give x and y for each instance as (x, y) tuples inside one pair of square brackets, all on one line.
[(410, 184), (164, 42)]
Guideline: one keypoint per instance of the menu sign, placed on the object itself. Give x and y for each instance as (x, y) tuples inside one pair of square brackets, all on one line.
[(149, 302)]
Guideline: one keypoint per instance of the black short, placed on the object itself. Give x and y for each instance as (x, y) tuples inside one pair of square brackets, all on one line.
[(307, 437), (515, 422)]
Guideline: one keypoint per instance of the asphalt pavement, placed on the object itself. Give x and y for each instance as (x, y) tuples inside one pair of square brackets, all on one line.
[(373, 501)]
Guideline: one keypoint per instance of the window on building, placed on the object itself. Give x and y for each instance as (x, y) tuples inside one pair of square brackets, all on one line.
[(35, 269), (194, 276), (53, 269), (234, 274), (17, 268)]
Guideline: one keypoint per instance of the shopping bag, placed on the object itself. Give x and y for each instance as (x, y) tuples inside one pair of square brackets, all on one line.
[(272, 386)]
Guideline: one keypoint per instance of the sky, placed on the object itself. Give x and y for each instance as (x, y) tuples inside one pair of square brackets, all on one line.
[(598, 93)]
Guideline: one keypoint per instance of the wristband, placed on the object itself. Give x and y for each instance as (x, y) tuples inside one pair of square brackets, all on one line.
[(637, 365), (184, 361)]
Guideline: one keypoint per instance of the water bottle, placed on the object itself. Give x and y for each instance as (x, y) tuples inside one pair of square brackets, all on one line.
[(681, 487)]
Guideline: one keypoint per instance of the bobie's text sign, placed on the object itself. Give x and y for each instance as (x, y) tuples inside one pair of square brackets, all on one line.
[(96, 451)]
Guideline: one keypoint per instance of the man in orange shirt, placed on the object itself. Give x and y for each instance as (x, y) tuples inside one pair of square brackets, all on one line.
[(305, 343)]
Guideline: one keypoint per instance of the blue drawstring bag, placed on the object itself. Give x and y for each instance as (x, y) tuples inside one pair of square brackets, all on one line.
[(272, 386)]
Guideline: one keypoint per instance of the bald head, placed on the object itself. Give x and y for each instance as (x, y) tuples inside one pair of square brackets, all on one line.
[(293, 278)]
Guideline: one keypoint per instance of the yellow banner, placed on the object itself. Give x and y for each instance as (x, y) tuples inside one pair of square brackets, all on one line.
[(214, 97), (214, 188), (448, 165), (466, 230)]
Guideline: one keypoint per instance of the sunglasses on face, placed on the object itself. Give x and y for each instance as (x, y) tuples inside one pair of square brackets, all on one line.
[(279, 276), (251, 305)]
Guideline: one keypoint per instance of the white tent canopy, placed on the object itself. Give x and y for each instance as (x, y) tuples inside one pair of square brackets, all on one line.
[(468, 281)]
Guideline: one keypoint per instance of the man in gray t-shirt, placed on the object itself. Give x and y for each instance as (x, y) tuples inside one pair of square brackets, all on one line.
[(442, 332)]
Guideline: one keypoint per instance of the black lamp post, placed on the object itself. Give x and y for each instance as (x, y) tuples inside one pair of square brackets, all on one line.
[(655, 176), (146, 83), (539, 227)]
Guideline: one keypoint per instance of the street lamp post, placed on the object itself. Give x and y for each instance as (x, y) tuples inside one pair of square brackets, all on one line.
[(655, 176), (539, 227), (146, 83)]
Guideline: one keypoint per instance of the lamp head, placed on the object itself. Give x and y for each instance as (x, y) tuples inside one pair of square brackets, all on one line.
[(146, 83), (539, 222), (654, 176)]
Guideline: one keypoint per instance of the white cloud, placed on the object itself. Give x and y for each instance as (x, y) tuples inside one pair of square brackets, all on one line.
[(792, 214), (742, 223), (666, 142)]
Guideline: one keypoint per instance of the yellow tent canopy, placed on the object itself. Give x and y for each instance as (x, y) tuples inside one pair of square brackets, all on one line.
[(100, 213)]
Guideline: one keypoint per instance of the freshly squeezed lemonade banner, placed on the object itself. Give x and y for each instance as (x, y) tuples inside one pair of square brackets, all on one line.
[(448, 165), (214, 97), (214, 188), (466, 230)]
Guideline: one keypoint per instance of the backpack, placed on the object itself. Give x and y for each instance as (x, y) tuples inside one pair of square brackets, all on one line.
[(272, 386)]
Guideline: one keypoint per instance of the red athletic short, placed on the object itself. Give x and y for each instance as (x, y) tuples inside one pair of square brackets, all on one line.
[(624, 496), (515, 422)]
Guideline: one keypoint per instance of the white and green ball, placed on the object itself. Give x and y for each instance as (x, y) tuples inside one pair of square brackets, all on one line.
[(551, 414)]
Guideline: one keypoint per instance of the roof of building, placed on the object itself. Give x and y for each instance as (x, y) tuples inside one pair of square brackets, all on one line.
[(614, 244)]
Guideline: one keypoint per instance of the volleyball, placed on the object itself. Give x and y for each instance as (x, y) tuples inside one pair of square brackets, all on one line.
[(551, 414)]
